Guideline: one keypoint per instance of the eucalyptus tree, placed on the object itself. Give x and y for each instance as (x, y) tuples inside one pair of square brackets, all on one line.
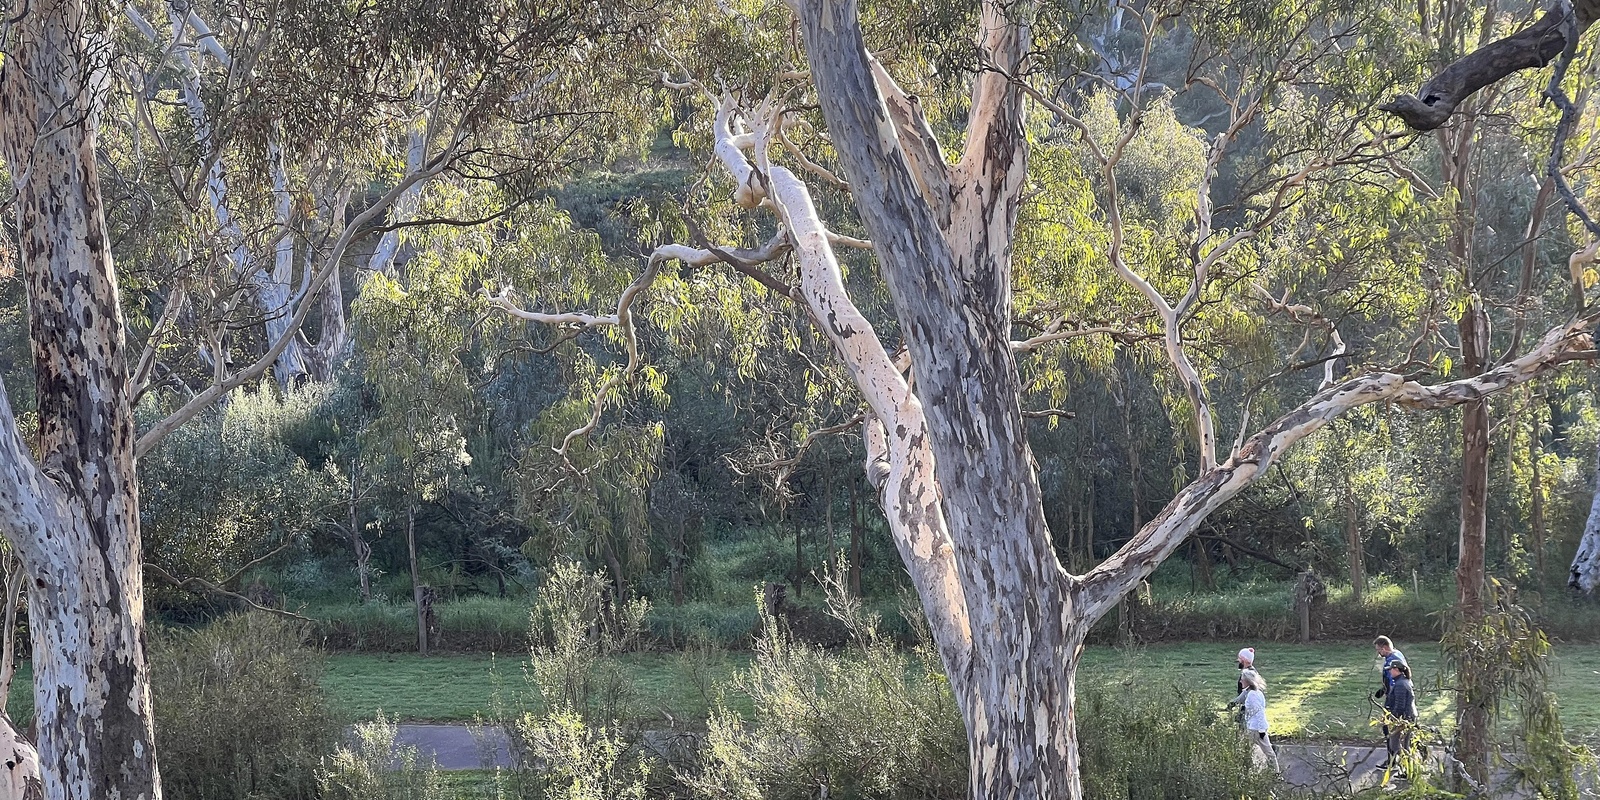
[(413, 327), (945, 434), (1472, 92), (71, 496)]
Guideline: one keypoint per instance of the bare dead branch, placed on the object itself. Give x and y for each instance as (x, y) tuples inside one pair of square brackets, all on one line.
[(203, 586)]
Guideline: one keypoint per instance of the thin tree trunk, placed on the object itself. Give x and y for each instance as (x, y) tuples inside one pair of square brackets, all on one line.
[(1353, 547), (1536, 500), (359, 547), (1124, 612), (416, 579), (827, 513), (799, 555), (1471, 580), (1088, 536), (855, 537)]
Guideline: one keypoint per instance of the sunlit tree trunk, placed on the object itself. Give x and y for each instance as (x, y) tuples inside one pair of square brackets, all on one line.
[(73, 516), (1586, 562)]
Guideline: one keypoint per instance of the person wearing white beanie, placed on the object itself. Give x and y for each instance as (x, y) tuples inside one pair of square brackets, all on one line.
[(1247, 661)]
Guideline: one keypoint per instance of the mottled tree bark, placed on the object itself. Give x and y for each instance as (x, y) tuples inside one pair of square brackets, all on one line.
[(1586, 562), (73, 516)]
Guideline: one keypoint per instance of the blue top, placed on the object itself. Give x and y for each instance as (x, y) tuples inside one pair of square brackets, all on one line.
[(1400, 701), (1389, 661)]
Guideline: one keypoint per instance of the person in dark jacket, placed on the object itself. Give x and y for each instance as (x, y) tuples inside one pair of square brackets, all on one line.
[(1389, 655), (1399, 709)]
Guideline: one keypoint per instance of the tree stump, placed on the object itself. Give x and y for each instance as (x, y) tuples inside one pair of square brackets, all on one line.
[(775, 599), (430, 618), (1309, 596)]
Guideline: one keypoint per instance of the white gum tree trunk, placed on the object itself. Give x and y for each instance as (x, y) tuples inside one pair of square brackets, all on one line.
[(948, 450), (73, 515), (270, 282), (1585, 574)]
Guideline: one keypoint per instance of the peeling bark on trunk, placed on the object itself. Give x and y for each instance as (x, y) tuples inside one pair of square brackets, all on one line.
[(21, 779), (74, 516)]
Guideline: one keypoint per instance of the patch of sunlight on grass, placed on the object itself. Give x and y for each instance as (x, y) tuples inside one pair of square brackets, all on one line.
[(1387, 594), (1290, 709)]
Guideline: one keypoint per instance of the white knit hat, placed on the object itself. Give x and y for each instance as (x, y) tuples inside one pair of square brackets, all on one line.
[(1248, 654)]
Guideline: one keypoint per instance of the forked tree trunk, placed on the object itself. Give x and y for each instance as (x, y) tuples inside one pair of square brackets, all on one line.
[(950, 458), (73, 517)]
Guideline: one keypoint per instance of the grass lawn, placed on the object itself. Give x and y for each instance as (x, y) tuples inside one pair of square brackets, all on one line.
[(455, 688), (1323, 690), (1317, 691)]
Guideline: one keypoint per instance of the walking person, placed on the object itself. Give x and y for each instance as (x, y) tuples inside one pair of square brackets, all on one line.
[(1247, 663), (1388, 656), (1255, 719), (1399, 711)]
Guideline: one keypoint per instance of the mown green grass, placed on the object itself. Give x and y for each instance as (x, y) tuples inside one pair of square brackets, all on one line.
[(1324, 691), (458, 688), (1313, 691)]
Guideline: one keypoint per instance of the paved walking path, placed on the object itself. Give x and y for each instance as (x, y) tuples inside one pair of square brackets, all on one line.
[(457, 747)]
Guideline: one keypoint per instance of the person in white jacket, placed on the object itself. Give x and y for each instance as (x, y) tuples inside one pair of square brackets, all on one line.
[(1255, 718)]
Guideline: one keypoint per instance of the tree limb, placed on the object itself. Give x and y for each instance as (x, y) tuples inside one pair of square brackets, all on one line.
[(330, 265), (1101, 588), (203, 586), (1534, 46)]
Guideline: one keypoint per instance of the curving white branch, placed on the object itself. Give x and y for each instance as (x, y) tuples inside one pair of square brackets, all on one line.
[(1101, 588), (329, 268)]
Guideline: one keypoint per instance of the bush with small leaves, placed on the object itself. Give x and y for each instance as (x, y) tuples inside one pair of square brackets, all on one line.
[(239, 710), (372, 767)]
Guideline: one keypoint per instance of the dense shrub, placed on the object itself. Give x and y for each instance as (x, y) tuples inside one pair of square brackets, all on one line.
[(566, 739), (371, 767), (1162, 746), (865, 722), (239, 711)]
